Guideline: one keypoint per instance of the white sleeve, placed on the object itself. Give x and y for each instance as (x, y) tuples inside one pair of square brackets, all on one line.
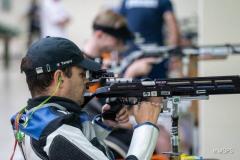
[(143, 141)]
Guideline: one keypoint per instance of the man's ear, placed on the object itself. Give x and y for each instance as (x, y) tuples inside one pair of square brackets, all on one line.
[(58, 77)]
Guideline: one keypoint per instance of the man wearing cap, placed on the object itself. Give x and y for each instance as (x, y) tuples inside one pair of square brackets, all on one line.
[(53, 125)]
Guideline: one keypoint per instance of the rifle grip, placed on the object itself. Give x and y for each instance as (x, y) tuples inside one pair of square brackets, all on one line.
[(116, 106)]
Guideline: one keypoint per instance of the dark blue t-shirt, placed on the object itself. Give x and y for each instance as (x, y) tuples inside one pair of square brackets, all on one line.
[(145, 17)]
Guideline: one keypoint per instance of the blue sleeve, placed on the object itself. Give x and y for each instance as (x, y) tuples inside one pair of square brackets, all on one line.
[(122, 9), (165, 5)]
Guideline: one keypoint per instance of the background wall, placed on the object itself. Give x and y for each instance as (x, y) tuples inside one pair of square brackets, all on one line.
[(219, 116), (185, 8)]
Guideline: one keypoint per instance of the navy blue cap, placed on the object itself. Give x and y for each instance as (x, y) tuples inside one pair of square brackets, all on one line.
[(52, 53)]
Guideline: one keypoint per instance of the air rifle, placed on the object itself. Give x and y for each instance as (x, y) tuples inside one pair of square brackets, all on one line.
[(130, 92), (133, 91), (193, 87)]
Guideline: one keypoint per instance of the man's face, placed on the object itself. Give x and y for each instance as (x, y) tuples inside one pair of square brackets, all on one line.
[(108, 43), (74, 87)]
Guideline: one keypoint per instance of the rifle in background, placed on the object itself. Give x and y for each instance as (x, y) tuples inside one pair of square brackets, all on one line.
[(163, 52)]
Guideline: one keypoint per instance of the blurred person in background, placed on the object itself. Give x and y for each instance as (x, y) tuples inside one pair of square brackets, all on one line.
[(147, 19), (110, 33), (154, 24), (54, 18), (33, 16)]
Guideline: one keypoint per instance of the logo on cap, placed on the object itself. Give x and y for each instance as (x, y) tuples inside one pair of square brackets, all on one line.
[(39, 70), (64, 63)]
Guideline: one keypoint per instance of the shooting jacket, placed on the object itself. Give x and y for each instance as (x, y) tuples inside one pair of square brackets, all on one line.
[(60, 130)]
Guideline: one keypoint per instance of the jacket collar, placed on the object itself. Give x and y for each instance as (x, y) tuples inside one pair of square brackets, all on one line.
[(66, 103)]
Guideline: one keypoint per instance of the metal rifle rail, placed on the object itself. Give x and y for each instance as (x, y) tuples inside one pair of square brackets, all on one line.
[(184, 87), (214, 50), (163, 52)]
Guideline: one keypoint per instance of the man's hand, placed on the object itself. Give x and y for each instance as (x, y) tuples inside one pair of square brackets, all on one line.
[(140, 67), (122, 117), (147, 111)]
